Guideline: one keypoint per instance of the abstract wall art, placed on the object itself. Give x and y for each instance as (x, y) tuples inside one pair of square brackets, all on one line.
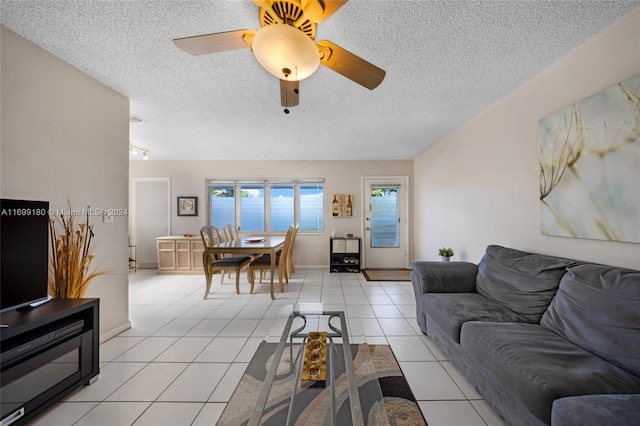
[(589, 155)]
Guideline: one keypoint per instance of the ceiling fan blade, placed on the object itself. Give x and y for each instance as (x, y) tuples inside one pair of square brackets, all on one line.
[(319, 10), (349, 65), (289, 93), (218, 42)]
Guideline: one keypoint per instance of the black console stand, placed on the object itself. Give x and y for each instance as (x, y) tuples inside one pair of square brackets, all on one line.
[(46, 353)]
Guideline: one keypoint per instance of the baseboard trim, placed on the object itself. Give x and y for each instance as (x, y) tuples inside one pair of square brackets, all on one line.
[(114, 332), (311, 266)]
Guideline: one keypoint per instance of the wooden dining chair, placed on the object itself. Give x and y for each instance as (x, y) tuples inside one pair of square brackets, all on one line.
[(213, 262), (230, 232), (263, 263), (214, 234), (290, 268)]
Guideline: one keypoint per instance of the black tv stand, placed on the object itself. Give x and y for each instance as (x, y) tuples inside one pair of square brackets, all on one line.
[(46, 353)]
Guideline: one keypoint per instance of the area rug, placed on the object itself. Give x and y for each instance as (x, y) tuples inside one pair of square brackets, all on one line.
[(387, 274), (313, 402)]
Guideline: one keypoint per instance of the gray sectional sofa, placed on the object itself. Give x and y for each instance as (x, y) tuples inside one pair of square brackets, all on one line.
[(544, 340)]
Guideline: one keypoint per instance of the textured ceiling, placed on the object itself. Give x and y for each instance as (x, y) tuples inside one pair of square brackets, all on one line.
[(446, 61)]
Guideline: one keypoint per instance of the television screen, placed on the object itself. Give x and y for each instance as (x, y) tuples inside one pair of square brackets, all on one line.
[(24, 252)]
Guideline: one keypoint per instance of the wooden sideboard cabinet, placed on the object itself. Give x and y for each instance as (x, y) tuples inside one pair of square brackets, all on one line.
[(180, 255)]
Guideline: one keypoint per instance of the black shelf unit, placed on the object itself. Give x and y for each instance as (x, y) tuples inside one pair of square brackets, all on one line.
[(344, 254), (47, 352)]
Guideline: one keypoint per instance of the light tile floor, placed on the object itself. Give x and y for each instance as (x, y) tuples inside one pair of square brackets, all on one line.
[(183, 356)]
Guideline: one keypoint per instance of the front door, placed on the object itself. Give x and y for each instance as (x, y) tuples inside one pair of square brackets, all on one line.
[(385, 222)]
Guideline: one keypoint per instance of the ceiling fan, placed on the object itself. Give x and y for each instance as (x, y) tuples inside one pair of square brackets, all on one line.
[(285, 45)]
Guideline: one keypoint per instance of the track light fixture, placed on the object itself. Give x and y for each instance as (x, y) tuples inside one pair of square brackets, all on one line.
[(133, 150)]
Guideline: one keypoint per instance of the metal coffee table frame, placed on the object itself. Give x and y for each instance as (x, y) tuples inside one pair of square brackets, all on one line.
[(287, 334)]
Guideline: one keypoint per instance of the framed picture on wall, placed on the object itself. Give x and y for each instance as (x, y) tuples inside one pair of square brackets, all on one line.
[(341, 206), (187, 206)]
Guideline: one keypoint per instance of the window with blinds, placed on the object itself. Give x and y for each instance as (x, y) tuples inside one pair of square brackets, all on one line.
[(266, 205)]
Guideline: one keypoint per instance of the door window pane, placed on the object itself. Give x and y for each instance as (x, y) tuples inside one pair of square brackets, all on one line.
[(222, 205), (252, 208), (385, 230)]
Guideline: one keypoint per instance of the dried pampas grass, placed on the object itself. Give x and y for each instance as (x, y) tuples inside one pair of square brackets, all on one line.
[(70, 259)]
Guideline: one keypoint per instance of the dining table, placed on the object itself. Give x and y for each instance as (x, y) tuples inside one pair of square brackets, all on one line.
[(255, 245)]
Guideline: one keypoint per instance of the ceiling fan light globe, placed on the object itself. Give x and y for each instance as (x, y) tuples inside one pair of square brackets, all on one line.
[(281, 46)]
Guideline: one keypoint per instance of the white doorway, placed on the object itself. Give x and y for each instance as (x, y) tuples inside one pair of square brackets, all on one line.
[(386, 222), (150, 217)]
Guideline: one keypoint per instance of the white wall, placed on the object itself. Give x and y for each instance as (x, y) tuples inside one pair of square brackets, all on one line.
[(341, 177), (65, 136), (479, 185)]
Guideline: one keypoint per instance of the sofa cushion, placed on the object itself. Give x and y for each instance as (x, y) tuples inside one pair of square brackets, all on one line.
[(598, 308), (601, 410), (538, 366), (449, 311), (520, 281), (443, 277)]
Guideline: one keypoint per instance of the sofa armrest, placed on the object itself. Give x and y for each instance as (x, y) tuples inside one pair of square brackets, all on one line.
[(614, 410), (443, 277)]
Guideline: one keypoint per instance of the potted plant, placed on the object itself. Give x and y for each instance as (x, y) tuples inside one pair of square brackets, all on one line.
[(445, 253)]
